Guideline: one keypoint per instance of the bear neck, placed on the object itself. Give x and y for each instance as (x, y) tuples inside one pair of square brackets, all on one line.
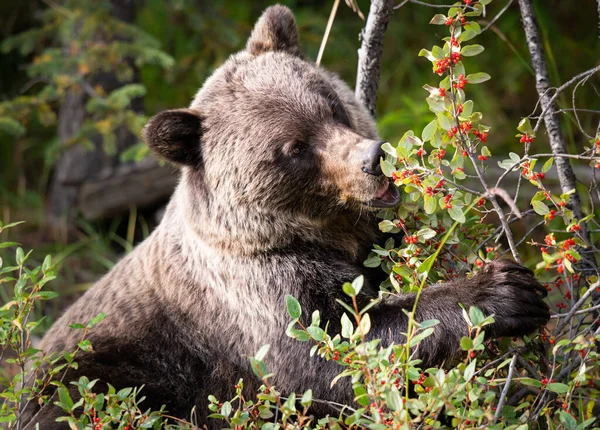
[(248, 230)]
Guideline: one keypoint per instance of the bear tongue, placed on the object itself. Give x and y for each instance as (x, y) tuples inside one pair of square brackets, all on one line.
[(383, 189)]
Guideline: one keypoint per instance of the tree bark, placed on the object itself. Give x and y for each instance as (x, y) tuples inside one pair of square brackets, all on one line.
[(566, 175), (371, 49)]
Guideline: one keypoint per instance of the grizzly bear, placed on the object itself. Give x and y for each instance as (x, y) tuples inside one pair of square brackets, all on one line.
[(280, 183)]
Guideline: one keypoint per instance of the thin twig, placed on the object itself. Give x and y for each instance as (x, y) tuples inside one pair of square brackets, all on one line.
[(334, 9), (498, 15), (511, 370), (591, 290)]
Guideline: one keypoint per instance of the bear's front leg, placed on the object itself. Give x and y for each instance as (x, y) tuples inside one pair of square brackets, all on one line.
[(503, 288)]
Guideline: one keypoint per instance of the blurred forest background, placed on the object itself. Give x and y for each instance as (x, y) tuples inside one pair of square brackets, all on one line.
[(79, 78)]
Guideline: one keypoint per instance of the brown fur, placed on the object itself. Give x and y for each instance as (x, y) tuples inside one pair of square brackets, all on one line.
[(271, 202)]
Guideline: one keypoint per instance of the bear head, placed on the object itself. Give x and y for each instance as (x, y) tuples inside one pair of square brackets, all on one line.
[(272, 146)]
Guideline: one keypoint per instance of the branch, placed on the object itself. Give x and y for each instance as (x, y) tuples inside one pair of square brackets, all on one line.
[(504, 9), (511, 370), (576, 306), (369, 54)]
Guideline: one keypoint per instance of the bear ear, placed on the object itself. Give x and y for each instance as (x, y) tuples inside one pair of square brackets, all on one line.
[(275, 30), (175, 136)]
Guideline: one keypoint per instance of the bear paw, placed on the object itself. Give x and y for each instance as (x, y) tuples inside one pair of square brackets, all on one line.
[(510, 292)]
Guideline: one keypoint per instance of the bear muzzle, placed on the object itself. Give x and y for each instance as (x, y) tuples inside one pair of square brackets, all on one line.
[(387, 196)]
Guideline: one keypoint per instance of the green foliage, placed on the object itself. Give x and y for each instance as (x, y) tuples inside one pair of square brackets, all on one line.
[(78, 45)]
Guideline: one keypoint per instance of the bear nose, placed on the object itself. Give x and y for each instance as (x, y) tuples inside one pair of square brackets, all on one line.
[(371, 164)]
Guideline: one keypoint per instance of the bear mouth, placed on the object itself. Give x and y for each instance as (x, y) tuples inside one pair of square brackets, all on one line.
[(387, 196)]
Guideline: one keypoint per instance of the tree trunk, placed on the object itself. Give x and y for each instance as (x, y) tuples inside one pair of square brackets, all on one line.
[(371, 49)]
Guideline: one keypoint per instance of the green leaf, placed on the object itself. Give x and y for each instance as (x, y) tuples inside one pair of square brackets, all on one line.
[(348, 289), (20, 256), (444, 120), (262, 352), (438, 19), (372, 261), (8, 244), (293, 307), (558, 388), (531, 382), (567, 420), (548, 165), (47, 264), (388, 148), (96, 320), (11, 126), (394, 401), (428, 323), (306, 398), (365, 324), (65, 398), (474, 26), (85, 345), (386, 226), (472, 50), (387, 168), (470, 370), (47, 295), (466, 35), (226, 409), (429, 131), (316, 333), (347, 326), (438, 53), (540, 208), (477, 78), (426, 233), (467, 108), (429, 204), (457, 214), (525, 127), (12, 224), (476, 315), (427, 54), (425, 266), (466, 343), (358, 283), (420, 336)]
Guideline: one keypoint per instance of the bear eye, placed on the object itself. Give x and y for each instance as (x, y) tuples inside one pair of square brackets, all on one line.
[(298, 148)]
